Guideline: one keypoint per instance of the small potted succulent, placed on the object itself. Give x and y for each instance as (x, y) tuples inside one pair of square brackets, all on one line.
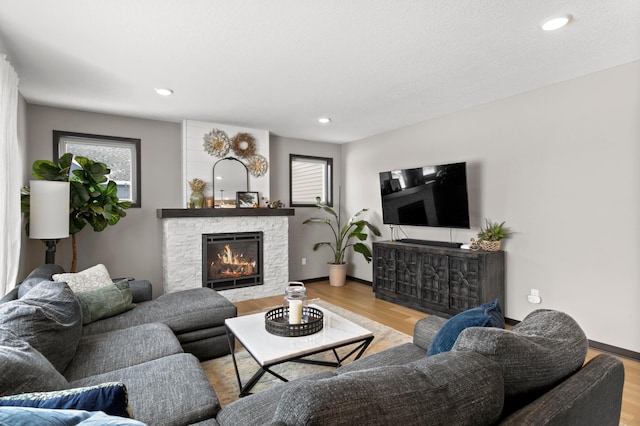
[(492, 234)]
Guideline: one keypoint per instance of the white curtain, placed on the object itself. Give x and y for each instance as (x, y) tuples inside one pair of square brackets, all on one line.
[(10, 178)]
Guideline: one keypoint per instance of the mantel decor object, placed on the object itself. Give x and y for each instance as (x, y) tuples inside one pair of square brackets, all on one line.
[(244, 145), (196, 200), (217, 143), (257, 165)]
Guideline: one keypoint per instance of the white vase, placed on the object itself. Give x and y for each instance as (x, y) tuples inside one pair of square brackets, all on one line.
[(337, 274)]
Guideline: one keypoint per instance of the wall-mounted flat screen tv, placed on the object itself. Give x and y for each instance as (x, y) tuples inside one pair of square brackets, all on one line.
[(426, 196)]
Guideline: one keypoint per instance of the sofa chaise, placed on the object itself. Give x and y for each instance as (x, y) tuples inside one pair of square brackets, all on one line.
[(44, 346)]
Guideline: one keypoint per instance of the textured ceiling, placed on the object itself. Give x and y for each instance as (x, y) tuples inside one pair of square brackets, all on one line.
[(371, 65)]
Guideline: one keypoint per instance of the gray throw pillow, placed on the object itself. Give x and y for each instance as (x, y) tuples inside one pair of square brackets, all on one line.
[(23, 369), (41, 273), (539, 352), (48, 317)]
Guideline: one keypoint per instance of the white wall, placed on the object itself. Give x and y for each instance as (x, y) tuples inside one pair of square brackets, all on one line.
[(198, 163), (560, 165)]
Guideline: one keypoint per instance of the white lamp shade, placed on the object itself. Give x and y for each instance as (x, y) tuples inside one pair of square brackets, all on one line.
[(49, 210)]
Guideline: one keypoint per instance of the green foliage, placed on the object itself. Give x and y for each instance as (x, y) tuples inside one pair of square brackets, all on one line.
[(91, 201), (493, 231), (343, 235)]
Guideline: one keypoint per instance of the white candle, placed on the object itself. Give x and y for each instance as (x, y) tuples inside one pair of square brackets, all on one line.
[(295, 311)]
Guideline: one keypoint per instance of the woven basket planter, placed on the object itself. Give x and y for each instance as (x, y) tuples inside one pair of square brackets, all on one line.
[(491, 245)]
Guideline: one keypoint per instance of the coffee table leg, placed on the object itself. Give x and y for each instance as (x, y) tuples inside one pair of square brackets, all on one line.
[(230, 339), (246, 388)]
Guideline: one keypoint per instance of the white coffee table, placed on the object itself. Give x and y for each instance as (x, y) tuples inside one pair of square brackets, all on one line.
[(268, 349)]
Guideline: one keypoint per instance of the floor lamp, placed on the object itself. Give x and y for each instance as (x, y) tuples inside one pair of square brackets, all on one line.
[(49, 214)]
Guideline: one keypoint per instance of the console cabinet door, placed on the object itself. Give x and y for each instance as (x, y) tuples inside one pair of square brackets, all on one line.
[(434, 279), (407, 269), (464, 281), (384, 269)]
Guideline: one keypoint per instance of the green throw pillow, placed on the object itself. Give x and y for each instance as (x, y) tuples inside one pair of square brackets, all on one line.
[(105, 301)]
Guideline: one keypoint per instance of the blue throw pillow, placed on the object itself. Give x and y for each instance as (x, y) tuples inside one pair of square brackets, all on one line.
[(487, 315), (110, 398), (27, 416)]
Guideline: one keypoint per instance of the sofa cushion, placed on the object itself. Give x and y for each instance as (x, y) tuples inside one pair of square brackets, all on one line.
[(116, 351), (172, 390), (48, 317), (106, 301), (108, 397), (486, 315), (447, 389), (543, 349), (23, 369), (89, 279)]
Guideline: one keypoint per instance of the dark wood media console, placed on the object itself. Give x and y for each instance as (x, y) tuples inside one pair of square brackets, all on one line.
[(437, 280)]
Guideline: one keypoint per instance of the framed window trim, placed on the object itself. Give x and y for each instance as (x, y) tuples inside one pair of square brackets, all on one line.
[(60, 138), (327, 179)]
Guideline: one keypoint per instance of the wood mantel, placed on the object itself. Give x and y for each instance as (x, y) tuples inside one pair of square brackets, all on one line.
[(209, 212)]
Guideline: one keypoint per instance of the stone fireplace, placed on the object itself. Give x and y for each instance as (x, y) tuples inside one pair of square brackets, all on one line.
[(183, 232)]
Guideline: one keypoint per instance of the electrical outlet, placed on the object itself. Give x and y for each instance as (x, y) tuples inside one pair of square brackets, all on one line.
[(304, 261), (534, 299)]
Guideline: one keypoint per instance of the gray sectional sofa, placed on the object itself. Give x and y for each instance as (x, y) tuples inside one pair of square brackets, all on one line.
[(45, 347), (532, 374)]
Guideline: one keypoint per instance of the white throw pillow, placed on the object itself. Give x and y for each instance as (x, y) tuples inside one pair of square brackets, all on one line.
[(89, 279)]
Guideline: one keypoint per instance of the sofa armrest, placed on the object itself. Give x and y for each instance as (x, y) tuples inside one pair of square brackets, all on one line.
[(425, 330), (141, 290), (593, 395), (11, 295)]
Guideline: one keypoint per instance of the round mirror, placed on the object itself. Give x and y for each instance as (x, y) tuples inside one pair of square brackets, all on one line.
[(230, 175)]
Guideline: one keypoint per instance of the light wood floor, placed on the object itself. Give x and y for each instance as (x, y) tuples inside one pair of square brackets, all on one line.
[(359, 298)]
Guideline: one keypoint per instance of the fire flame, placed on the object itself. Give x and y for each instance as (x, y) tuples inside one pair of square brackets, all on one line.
[(232, 265)]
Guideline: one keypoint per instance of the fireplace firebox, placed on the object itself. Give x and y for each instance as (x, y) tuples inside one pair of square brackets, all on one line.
[(232, 260)]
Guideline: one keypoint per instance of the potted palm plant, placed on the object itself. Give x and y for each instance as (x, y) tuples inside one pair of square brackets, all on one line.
[(350, 235), (492, 234)]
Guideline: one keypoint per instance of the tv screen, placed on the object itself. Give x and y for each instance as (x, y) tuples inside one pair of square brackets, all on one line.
[(426, 196)]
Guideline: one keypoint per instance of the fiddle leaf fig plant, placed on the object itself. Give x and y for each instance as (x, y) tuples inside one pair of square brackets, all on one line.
[(343, 235), (93, 199)]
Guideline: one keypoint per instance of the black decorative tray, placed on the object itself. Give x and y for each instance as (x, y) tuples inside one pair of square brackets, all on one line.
[(276, 321)]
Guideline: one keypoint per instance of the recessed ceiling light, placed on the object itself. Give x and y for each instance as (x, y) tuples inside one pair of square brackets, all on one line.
[(555, 22), (164, 92), (324, 120)]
